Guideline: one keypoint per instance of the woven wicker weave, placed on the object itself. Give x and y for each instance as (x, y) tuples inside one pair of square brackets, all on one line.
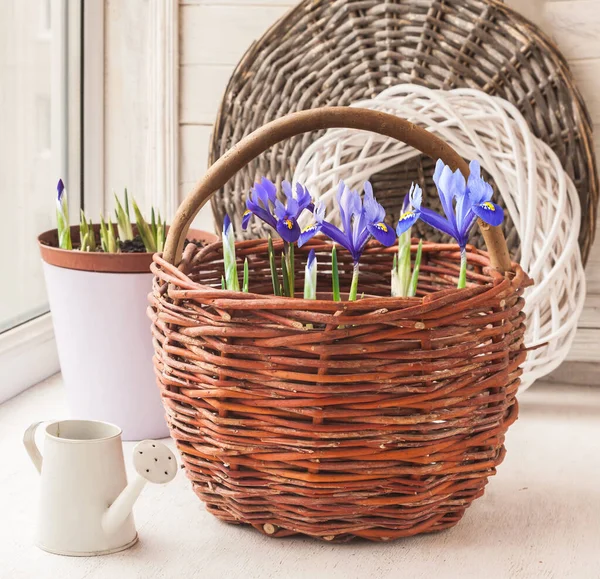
[(379, 418), (335, 52)]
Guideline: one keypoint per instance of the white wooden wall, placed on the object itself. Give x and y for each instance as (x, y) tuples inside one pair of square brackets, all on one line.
[(214, 36), (216, 33), (575, 26)]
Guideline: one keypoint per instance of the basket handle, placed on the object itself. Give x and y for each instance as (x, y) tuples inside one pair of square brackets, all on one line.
[(311, 120)]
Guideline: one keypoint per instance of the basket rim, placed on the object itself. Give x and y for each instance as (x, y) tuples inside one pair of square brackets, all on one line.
[(478, 256)]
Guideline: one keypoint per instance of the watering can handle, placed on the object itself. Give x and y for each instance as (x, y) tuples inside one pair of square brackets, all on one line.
[(32, 447), (311, 120)]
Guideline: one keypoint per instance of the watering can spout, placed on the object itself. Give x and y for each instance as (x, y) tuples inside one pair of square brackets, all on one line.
[(154, 462)]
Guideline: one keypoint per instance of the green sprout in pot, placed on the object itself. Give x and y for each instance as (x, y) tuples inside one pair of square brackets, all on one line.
[(123, 218), (154, 234), (62, 217), (112, 239), (87, 235), (108, 239)]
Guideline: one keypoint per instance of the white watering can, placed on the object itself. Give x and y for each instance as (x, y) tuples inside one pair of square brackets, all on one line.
[(86, 503)]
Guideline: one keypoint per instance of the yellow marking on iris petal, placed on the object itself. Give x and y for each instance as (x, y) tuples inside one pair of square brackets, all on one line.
[(382, 227), (407, 215), (288, 223), (309, 228), (489, 206), (247, 212)]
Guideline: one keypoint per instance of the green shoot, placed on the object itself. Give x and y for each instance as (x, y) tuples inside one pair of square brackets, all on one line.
[(335, 276), (412, 290), (274, 275), (229, 259), (160, 236), (144, 229), (285, 276), (246, 277), (62, 218), (291, 266), (354, 284), (123, 220), (87, 237), (310, 277), (462, 278), (108, 239)]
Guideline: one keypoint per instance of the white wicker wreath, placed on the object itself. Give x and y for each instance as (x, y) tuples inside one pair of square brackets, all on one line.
[(539, 195)]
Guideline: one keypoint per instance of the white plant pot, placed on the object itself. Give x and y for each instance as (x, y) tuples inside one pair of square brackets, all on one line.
[(105, 348), (98, 303)]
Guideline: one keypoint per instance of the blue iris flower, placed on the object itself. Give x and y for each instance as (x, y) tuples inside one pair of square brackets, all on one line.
[(473, 199), (60, 187), (411, 209), (263, 203), (361, 220)]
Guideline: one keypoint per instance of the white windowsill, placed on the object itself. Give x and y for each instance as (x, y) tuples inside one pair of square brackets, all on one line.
[(27, 355), (539, 517)]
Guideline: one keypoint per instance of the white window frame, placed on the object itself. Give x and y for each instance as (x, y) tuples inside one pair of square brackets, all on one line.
[(28, 352)]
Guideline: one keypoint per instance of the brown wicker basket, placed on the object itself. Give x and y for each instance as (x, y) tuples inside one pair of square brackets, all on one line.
[(336, 52), (379, 418)]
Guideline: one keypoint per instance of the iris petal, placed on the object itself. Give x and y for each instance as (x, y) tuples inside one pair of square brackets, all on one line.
[(479, 191), (350, 204), (269, 188), (432, 218), (289, 229), (416, 197), (280, 210), (312, 257), (226, 223), (287, 189), (489, 212), (444, 182), (261, 213), (259, 196), (336, 235), (303, 197), (308, 233), (293, 208), (405, 203), (246, 218), (406, 221), (374, 212), (382, 232)]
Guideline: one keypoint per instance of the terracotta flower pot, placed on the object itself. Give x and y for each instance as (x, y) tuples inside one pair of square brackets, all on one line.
[(98, 303)]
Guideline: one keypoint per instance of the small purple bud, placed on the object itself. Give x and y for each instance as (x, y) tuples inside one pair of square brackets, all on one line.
[(311, 258), (226, 224), (60, 187)]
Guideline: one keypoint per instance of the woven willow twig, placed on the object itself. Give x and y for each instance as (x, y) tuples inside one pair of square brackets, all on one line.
[(539, 196), (378, 418), (384, 420), (336, 52)]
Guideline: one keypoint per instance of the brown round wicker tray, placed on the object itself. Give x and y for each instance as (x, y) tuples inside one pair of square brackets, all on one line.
[(379, 418), (336, 52)]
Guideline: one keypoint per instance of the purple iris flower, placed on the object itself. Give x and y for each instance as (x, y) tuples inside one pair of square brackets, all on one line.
[(411, 209), (60, 187), (263, 203), (360, 220), (472, 200)]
